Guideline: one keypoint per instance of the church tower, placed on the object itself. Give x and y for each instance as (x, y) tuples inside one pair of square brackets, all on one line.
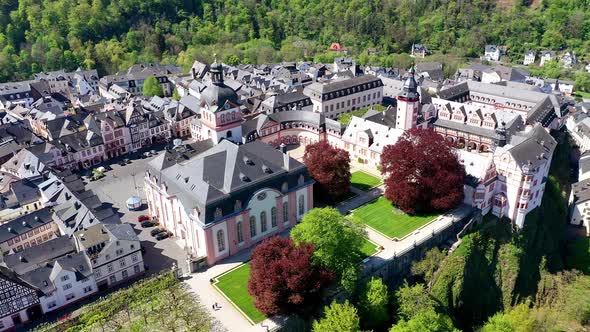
[(408, 102)]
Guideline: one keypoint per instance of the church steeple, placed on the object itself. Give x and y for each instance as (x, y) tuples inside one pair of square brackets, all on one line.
[(410, 89), (216, 72)]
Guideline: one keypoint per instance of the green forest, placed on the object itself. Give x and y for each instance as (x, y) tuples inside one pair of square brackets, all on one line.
[(110, 35)]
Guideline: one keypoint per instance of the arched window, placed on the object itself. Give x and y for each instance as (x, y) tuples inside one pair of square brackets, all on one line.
[(262, 222), (300, 180), (237, 205), (301, 205), (222, 118), (240, 235), (218, 213), (220, 241), (252, 226), (273, 217), (228, 134), (285, 212)]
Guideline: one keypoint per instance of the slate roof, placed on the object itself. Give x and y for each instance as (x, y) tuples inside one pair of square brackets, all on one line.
[(24, 224), (313, 118), (342, 84), (38, 256), (225, 172), (532, 148), (43, 278), (581, 191)]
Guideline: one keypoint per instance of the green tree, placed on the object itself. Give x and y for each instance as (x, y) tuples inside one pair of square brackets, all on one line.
[(337, 239), (411, 300), (175, 94), (429, 264), (151, 87), (429, 320), (338, 318), (374, 303), (517, 319), (582, 81)]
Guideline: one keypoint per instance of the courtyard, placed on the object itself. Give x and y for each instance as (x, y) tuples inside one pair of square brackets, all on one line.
[(364, 181), (384, 218)]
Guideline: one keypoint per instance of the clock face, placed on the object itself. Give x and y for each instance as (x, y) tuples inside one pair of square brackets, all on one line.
[(261, 196)]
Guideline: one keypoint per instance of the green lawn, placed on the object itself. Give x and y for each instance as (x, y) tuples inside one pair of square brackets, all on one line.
[(235, 286), (380, 215), (364, 181), (369, 248)]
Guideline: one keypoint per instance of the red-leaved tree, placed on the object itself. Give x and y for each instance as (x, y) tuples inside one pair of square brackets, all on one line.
[(330, 167), (283, 279), (423, 173)]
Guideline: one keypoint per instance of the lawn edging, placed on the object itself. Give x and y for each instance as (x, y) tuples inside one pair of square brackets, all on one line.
[(214, 285)]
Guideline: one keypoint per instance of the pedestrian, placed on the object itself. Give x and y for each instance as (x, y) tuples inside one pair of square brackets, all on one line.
[(213, 306)]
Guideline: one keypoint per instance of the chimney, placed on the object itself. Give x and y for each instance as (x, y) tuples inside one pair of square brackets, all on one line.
[(286, 158)]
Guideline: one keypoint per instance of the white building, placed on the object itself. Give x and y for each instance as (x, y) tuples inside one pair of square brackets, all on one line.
[(579, 202), (514, 181), (343, 96), (114, 251), (64, 281), (568, 59), (529, 57), (547, 56), (365, 138), (492, 53)]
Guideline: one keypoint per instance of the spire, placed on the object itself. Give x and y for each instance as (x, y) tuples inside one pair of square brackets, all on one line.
[(216, 71)]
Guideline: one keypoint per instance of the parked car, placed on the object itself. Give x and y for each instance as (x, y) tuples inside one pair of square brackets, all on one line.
[(154, 152), (163, 235), (127, 161), (147, 154), (148, 223), (143, 218), (122, 163), (156, 231)]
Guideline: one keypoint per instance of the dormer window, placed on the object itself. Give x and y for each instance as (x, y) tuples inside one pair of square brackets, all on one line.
[(238, 205), (218, 213)]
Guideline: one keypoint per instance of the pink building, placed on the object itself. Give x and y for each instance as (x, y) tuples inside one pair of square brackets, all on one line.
[(220, 199)]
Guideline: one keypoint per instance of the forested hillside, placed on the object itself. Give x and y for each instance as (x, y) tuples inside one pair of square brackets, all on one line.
[(110, 35)]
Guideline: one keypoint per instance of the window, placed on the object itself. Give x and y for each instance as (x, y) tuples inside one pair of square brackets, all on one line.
[(136, 269), (113, 279), (252, 226), (107, 257), (222, 117), (220, 241), (70, 296), (87, 289), (134, 258), (273, 217), (122, 262), (119, 252), (285, 212), (301, 204), (67, 286), (65, 278), (97, 273), (50, 305), (110, 267), (124, 274), (262, 221), (240, 235)]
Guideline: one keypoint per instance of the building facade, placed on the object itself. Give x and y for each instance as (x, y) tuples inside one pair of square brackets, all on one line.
[(343, 96), (222, 200)]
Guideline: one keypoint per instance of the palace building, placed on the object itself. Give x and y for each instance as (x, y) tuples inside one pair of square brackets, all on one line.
[(219, 199)]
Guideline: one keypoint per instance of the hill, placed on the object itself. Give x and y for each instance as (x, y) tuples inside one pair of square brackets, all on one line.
[(41, 35)]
